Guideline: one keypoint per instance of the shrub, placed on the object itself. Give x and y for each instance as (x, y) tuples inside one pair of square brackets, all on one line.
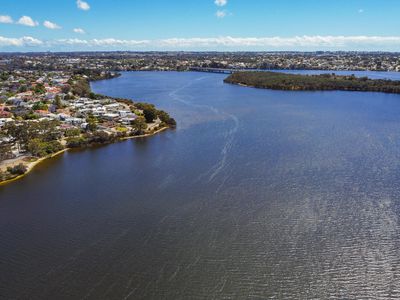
[(3, 176), (39, 148), (149, 114), (165, 118), (101, 137), (17, 170), (76, 142), (40, 106), (72, 132)]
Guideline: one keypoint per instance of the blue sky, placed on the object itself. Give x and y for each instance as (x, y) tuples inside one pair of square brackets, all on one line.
[(270, 25)]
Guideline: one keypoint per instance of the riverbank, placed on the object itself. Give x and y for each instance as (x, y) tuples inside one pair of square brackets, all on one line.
[(321, 82), (145, 135), (86, 119), (32, 164), (29, 166)]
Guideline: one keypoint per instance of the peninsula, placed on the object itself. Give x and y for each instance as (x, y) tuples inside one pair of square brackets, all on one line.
[(323, 82), (44, 113)]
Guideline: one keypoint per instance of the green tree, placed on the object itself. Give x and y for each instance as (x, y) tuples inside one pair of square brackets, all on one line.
[(40, 148), (23, 132), (17, 170), (36, 147), (92, 123), (58, 102), (66, 89), (139, 124), (40, 106), (5, 151), (150, 114), (81, 88), (72, 132), (165, 118), (4, 76), (23, 88), (39, 88), (76, 141)]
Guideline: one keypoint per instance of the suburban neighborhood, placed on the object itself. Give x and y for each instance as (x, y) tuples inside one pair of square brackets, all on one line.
[(45, 112)]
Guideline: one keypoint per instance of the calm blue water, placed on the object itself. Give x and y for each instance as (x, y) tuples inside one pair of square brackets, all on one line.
[(257, 194)]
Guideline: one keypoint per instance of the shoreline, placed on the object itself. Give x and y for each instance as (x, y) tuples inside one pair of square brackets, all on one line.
[(305, 90), (144, 135), (312, 83), (31, 165)]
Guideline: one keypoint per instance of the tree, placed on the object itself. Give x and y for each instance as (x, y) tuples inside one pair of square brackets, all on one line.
[(24, 132), (139, 124), (81, 88), (164, 117), (3, 175), (30, 116), (149, 114), (47, 130), (92, 123), (101, 137), (17, 170), (36, 147), (58, 103), (66, 89), (40, 106), (4, 76), (92, 95), (39, 89), (22, 89), (19, 132), (72, 132), (5, 151), (40, 148), (76, 141)]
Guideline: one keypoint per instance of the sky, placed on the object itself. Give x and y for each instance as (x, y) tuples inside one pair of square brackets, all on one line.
[(199, 25)]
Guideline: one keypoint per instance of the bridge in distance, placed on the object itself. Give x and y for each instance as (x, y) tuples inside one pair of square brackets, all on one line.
[(223, 71)]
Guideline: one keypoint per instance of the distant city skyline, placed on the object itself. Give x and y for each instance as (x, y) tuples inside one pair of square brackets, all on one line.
[(206, 25)]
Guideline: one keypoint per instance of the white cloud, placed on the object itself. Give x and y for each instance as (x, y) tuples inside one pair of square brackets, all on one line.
[(220, 14), (19, 42), (82, 5), (111, 42), (285, 43), (306, 43), (6, 19), (51, 25), (221, 2), (264, 43), (27, 21), (79, 30)]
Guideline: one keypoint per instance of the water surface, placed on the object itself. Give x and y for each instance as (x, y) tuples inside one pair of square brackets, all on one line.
[(257, 194)]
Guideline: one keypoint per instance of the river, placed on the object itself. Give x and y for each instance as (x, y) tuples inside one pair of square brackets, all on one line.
[(257, 194)]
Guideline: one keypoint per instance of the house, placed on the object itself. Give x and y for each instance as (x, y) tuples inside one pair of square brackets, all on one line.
[(4, 113), (124, 113), (42, 113), (3, 121), (128, 120), (75, 121), (111, 116)]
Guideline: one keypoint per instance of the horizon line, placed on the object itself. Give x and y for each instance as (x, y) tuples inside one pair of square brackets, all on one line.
[(201, 51)]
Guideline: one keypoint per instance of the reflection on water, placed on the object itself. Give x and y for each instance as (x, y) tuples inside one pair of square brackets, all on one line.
[(257, 194)]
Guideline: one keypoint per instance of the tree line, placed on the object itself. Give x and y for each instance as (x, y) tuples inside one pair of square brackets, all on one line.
[(296, 82)]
